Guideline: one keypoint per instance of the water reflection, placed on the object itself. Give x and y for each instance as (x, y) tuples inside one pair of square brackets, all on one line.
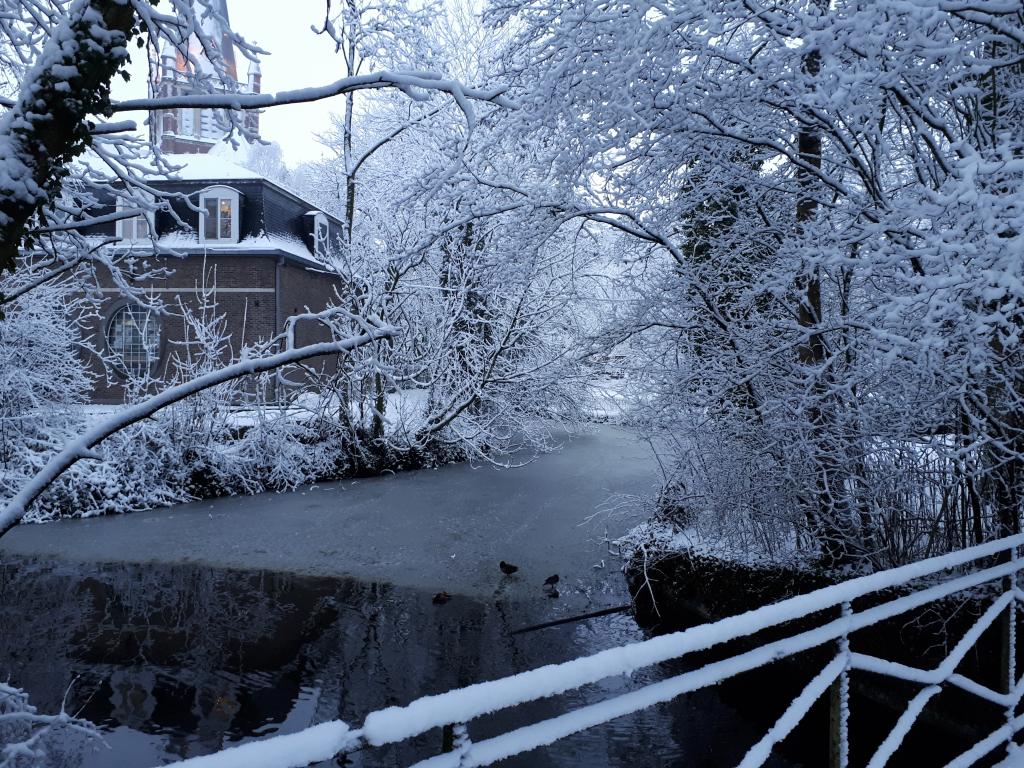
[(180, 661)]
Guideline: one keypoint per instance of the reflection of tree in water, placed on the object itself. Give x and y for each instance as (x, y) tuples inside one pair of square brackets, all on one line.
[(200, 658)]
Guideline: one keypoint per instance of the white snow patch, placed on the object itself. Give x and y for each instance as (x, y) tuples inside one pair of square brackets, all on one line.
[(1016, 760), (295, 750), (208, 167), (184, 241)]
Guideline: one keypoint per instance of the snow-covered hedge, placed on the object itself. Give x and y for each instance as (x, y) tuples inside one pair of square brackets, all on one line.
[(241, 437)]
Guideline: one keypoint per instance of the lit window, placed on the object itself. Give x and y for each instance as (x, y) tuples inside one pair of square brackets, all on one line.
[(133, 335), (219, 215), (135, 228)]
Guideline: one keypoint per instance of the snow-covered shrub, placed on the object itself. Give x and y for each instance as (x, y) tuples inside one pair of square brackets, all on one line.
[(242, 437), (29, 739), (43, 378)]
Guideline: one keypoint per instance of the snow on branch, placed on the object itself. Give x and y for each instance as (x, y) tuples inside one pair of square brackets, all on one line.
[(413, 84), (82, 447), (26, 734)]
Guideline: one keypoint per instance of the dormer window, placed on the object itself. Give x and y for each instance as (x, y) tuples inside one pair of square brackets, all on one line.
[(321, 234), (218, 214), (135, 228)]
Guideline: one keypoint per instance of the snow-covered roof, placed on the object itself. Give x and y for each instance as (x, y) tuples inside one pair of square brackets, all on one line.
[(218, 164), (208, 167), (224, 163), (185, 242)]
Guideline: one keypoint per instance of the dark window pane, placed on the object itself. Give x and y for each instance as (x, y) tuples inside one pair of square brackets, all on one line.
[(210, 225), (133, 335)]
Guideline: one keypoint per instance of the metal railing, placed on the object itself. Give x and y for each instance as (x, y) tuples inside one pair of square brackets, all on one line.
[(935, 579)]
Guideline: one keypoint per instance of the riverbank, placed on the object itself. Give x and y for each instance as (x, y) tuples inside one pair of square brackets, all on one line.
[(440, 529)]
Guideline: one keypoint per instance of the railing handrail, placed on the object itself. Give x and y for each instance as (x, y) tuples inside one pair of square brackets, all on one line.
[(419, 716), (462, 705)]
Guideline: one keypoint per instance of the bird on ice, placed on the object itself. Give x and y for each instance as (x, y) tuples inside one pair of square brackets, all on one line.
[(507, 568), (550, 581)]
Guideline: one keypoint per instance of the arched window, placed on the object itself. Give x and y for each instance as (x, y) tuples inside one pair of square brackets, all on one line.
[(218, 215), (133, 335)]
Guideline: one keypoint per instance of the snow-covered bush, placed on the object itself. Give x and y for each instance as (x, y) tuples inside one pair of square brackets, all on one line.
[(43, 378), (238, 437), (29, 739)]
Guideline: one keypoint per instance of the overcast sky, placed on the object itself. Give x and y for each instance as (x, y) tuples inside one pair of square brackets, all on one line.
[(298, 58)]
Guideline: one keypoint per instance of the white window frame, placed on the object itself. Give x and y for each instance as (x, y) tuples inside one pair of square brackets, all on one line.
[(321, 243), (219, 193), (128, 229)]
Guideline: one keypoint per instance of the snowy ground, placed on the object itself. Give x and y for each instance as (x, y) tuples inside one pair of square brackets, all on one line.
[(404, 410), (443, 529)]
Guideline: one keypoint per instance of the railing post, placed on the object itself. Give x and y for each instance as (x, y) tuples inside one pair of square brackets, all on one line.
[(839, 706), (455, 738), (462, 741), (1009, 666)]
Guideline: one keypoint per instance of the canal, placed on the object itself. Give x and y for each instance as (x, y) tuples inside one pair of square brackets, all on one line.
[(185, 630)]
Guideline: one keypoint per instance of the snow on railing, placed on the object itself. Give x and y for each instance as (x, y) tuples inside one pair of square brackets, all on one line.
[(454, 709)]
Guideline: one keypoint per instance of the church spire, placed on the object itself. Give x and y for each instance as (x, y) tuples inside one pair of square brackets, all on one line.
[(216, 24), (190, 130)]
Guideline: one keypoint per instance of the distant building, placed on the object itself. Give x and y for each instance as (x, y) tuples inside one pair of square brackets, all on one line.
[(196, 131), (258, 248)]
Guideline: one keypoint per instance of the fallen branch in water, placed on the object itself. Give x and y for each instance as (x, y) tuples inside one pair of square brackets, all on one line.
[(569, 619)]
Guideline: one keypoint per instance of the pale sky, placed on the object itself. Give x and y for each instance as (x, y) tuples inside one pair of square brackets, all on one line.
[(298, 58)]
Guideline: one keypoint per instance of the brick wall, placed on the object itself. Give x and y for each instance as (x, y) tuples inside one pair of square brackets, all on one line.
[(303, 289), (246, 295)]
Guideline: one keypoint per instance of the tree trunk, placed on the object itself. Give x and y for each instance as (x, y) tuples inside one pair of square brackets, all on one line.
[(825, 511)]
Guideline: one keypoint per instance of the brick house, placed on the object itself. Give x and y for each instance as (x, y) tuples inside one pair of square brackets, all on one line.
[(254, 247)]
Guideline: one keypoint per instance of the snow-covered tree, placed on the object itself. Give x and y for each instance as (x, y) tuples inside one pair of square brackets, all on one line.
[(825, 204), (43, 378), (490, 299)]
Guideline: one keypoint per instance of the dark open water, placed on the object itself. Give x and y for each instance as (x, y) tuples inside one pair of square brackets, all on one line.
[(177, 661)]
